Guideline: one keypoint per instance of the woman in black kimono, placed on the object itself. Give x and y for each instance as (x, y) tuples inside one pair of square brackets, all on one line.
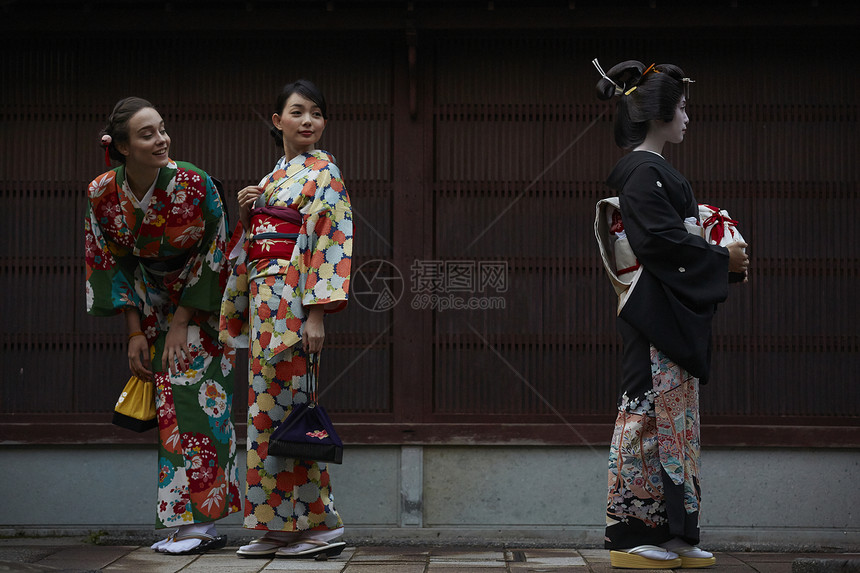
[(665, 324)]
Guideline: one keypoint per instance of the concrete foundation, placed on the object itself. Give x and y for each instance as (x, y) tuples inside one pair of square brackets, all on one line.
[(761, 499)]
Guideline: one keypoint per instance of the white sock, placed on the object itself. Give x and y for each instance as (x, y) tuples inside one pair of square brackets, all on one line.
[(158, 544), (681, 547), (286, 537), (188, 544), (656, 554)]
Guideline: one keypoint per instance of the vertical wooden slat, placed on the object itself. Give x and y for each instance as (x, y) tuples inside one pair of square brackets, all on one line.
[(767, 141), (767, 154), (50, 118)]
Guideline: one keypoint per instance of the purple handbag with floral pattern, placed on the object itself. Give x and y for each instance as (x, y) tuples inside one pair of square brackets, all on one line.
[(308, 433)]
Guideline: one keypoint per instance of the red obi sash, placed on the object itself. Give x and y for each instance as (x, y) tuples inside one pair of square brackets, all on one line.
[(273, 232)]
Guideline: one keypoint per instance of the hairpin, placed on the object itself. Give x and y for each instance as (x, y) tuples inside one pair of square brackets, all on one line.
[(687, 82), (618, 89), (649, 69)]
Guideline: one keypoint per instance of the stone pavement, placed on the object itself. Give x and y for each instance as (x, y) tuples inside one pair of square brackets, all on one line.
[(77, 555)]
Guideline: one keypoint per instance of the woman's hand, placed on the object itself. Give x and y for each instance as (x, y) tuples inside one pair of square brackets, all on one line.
[(738, 259), (247, 197), (138, 357), (176, 355), (138, 347), (312, 340)]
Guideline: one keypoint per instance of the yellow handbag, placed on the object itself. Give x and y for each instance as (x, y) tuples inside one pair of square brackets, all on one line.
[(135, 408)]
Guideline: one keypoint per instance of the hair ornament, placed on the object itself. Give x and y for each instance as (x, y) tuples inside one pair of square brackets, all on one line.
[(618, 89), (687, 82), (106, 141), (650, 68)]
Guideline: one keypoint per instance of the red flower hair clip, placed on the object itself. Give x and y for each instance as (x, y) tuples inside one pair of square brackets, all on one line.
[(106, 141)]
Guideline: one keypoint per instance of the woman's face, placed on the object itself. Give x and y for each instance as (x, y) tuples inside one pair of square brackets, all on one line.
[(301, 122), (148, 142), (677, 128)]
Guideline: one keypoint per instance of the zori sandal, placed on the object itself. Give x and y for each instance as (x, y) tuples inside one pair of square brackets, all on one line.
[(262, 547), (307, 548), (644, 557)]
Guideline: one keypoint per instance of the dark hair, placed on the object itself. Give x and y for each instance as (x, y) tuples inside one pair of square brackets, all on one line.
[(307, 90), (117, 125), (655, 97)]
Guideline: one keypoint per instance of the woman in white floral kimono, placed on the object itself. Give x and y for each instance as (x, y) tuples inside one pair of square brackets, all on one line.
[(290, 268)]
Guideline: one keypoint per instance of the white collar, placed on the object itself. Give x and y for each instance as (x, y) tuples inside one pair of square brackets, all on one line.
[(143, 204), (649, 151)]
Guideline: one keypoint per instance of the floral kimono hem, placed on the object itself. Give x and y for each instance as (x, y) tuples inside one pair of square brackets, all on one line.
[(654, 492)]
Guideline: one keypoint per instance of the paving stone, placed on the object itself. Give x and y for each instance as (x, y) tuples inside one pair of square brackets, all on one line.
[(86, 557), (595, 555), (461, 555), (305, 565), (813, 565), (467, 568), (145, 559), (456, 563), (388, 554), (25, 553), (771, 567), (556, 561), (767, 557), (385, 568), (728, 559), (224, 567), (531, 568), (17, 567), (79, 556), (385, 550)]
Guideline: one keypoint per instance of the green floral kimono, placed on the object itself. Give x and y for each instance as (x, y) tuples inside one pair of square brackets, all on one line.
[(155, 259)]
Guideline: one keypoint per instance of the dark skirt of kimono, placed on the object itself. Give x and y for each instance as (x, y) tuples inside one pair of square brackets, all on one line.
[(653, 464)]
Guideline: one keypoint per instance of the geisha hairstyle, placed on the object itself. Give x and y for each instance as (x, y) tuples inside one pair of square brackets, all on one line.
[(307, 90), (645, 94), (117, 125)]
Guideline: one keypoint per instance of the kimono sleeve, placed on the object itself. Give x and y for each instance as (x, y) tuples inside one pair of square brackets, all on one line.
[(110, 271), (207, 276), (329, 255), (696, 271), (235, 304)]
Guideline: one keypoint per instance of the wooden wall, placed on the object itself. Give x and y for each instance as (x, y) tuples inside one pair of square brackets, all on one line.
[(466, 147)]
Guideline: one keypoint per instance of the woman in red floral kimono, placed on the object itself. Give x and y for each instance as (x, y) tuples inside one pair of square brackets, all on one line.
[(155, 234), (665, 324), (290, 267)]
